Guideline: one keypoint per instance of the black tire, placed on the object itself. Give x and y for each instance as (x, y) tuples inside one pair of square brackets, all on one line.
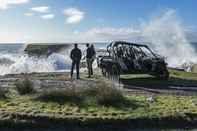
[(161, 71), (165, 75), (104, 71), (115, 73)]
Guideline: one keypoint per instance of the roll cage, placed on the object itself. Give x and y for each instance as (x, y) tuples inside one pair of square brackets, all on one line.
[(129, 50)]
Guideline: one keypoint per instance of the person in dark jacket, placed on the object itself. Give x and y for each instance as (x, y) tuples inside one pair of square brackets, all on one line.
[(75, 55), (90, 53), (93, 54)]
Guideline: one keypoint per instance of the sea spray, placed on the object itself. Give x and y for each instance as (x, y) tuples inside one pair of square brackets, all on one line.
[(22, 63), (19, 62), (164, 33), (167, 36)]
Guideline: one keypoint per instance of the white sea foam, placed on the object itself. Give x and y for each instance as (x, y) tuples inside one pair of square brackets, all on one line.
[(22, 63), (167, 36)]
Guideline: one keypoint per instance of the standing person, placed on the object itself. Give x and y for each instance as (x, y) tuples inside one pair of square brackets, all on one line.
[(93, 54), (90, 52), (88, 59), (75, 55)]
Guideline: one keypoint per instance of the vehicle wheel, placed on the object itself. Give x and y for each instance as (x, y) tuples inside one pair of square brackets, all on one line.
[(115, 73), (161, 71), (165, 75), (104, 73)]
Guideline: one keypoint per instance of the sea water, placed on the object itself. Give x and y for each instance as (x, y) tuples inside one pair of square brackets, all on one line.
[(13, 59)]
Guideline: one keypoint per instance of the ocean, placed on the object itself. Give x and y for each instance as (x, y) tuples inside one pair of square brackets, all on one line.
[(11, 48), (13, 60)]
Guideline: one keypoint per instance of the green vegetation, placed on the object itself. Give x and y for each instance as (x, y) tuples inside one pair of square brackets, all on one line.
[(99, 104), (183, 75), (25, 86), (3, 93), (175, 108), (103, 94), (69, 95), (106, 95), (177, 78)]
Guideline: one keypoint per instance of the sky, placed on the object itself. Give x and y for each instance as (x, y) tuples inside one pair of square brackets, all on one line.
[(88, 20)]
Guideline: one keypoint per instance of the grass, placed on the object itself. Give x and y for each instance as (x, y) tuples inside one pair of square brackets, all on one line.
[(102, 94), (174, 107), (107, 95), (25, 86), (163, 106), (177, 78), (99, 105), (3, 93), (70, 95)]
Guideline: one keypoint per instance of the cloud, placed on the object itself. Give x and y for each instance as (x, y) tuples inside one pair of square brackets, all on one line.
[(17, 1), (110, 33), (73, 15), (4, 4), (48, 16), (28, 14), (103, 34), (40, 9)]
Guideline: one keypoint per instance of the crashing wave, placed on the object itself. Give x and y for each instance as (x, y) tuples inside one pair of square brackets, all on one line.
[(6, 61), (189, 67), (22, 63)]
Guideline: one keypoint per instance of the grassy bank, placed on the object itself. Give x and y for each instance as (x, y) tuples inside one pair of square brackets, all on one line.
[(177, 78), (102, 108), (162, 112)]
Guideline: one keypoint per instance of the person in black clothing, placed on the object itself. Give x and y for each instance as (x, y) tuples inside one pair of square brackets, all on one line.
[(90, 53), (75, 55), (93, 53)]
